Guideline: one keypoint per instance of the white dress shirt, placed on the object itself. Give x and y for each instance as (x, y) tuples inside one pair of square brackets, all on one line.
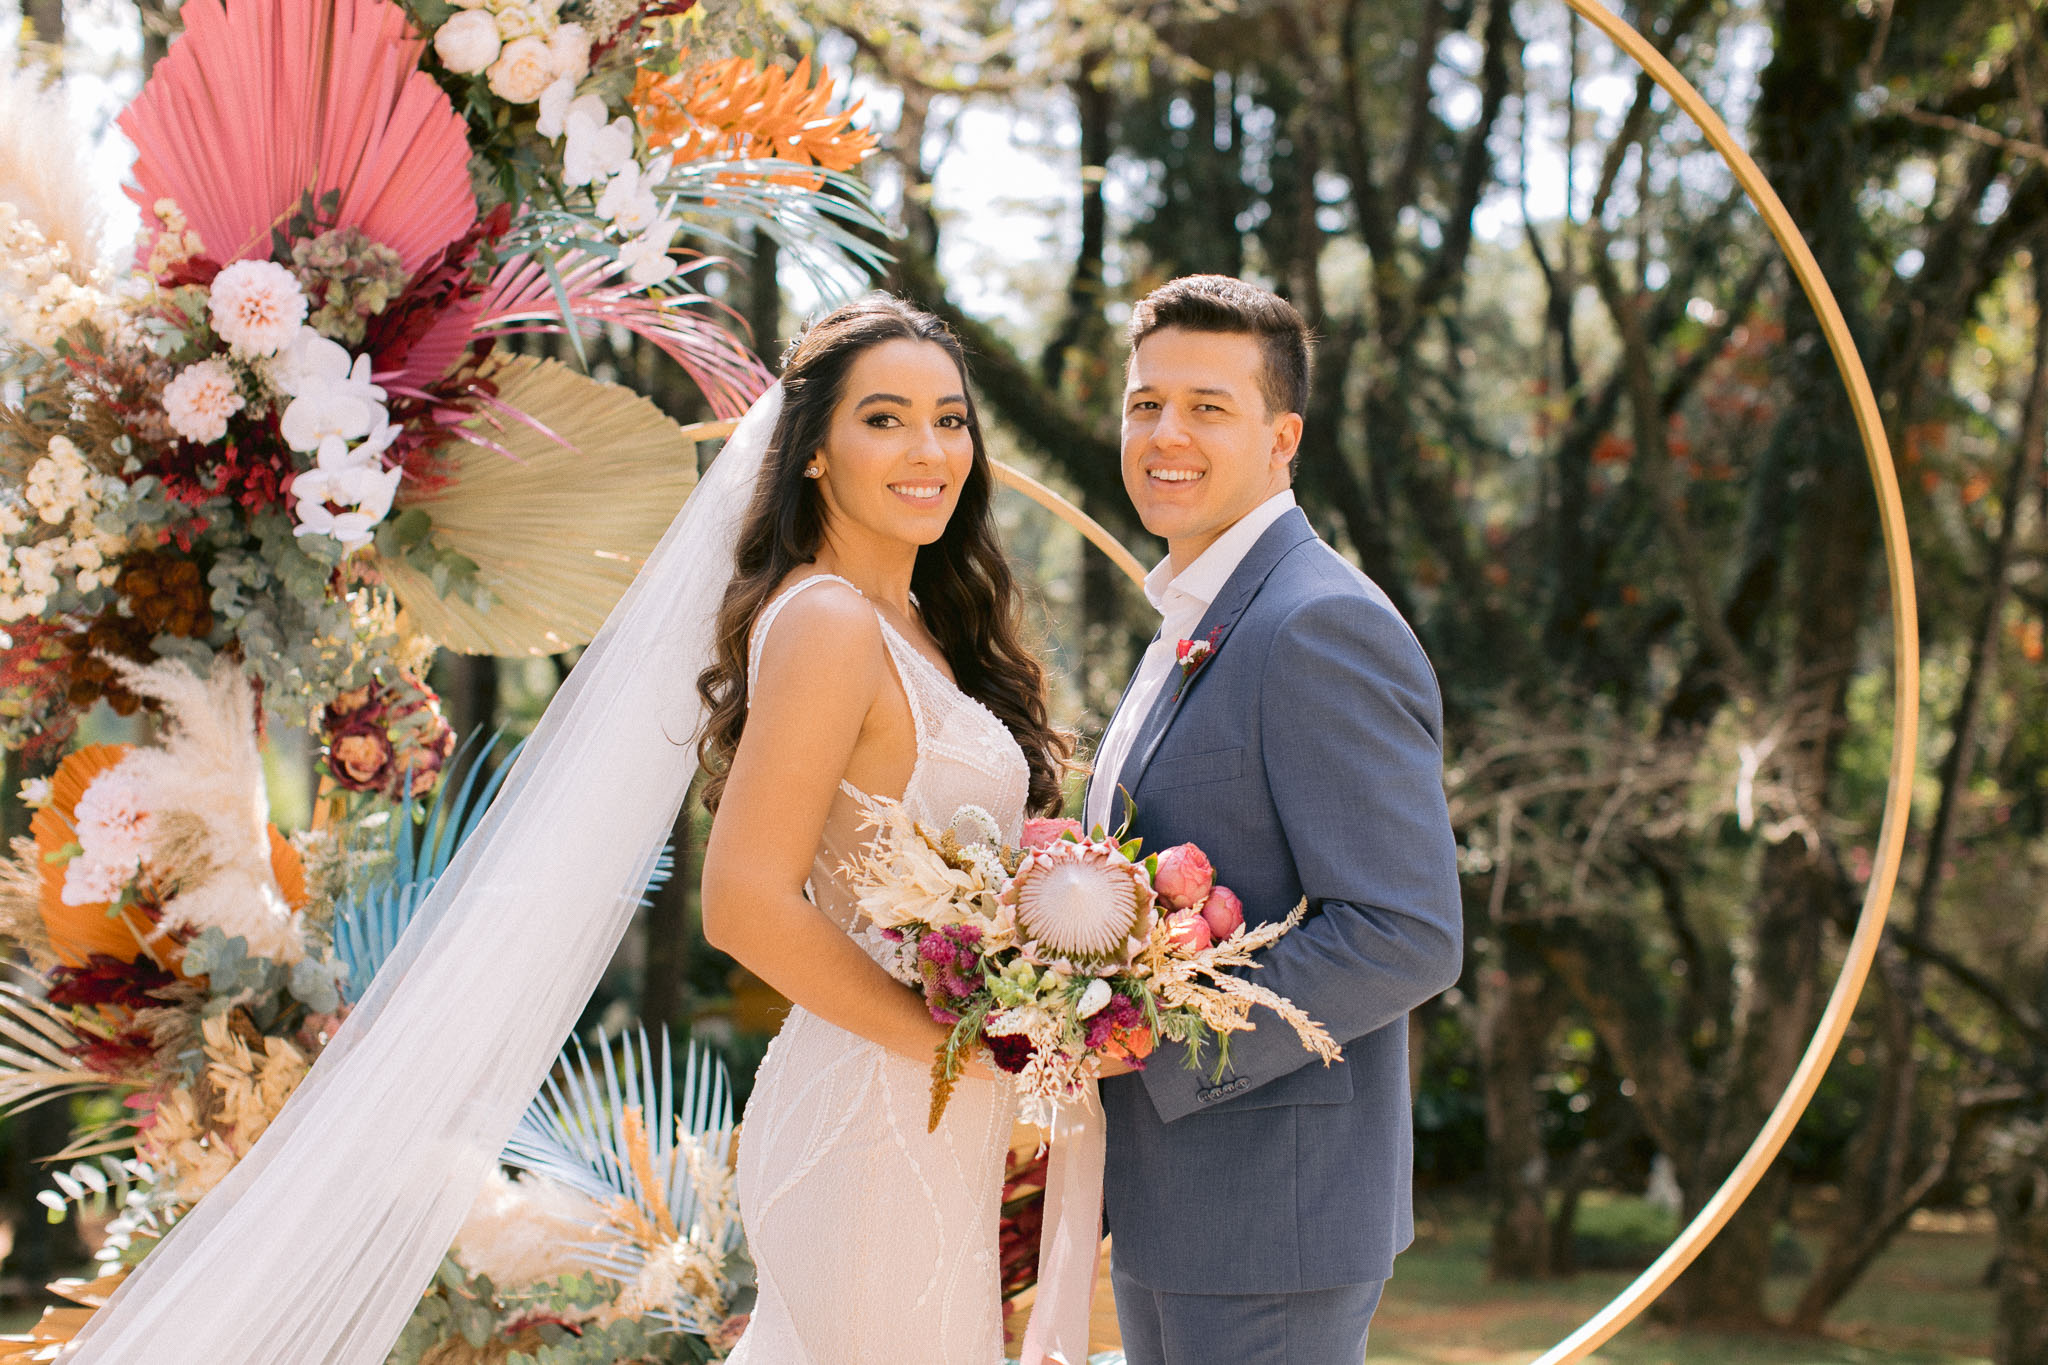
[(1182, 599)]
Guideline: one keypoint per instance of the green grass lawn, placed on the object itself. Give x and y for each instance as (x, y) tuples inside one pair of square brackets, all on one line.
[(1923, 1303)]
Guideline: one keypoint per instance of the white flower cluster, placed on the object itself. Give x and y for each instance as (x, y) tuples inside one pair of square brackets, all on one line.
[(41, 296), (112, 825), (170, 240), (61, 488), (599, 154), (521, 45), (333, 413), (337, 415)]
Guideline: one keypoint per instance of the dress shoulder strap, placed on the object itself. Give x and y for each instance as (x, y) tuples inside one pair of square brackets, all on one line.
[(902, 655), (774, 609)]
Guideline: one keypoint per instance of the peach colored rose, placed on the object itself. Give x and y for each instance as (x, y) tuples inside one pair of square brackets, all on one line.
[(522, 71), (1188, 930), (1224, 913), (1184, 877), (361, 760), (468, 42), (1042, 833)]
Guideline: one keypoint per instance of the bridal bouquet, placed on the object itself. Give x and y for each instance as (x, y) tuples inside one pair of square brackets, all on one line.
[(1072, 948)]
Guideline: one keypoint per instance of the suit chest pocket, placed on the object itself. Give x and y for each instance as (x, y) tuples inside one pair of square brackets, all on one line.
[(1187, 770)]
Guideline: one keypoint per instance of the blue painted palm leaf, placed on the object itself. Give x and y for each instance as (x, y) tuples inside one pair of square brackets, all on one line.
[(374, 913), (577, 1132)]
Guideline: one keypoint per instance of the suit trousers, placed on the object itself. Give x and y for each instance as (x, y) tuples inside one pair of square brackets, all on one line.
[(1319, 1327)]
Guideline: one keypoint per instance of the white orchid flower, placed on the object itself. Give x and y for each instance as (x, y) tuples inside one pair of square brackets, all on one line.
[(628, 201), (554, 106), (595, 149), (328, 412), (308, 359), (646, 257), (353, 529)]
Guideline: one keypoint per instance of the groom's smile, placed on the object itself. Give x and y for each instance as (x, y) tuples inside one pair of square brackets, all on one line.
[(1200, 446)]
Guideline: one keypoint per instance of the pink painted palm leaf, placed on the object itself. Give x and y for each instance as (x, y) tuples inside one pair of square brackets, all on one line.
[(256, 106), (520, 298)]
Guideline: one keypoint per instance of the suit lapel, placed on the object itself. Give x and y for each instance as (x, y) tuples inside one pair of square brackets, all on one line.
[(1238, 591)]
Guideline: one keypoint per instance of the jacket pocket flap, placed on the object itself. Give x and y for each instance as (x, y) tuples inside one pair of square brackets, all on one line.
[(1184, 770)]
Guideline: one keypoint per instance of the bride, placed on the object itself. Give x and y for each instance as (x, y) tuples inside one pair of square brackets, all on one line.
[(868, 643), (835, 588)]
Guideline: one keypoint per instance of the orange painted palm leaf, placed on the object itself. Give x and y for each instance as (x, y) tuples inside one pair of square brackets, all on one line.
[(255, 106), (739, 110)]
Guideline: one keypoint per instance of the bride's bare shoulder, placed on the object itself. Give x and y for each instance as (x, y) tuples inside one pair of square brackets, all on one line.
[(827, 632)]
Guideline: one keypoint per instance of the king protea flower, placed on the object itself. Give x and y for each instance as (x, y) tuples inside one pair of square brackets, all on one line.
[(1081, 903)]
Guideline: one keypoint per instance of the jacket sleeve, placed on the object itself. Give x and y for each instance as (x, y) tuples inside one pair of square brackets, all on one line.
[(1350, 733)]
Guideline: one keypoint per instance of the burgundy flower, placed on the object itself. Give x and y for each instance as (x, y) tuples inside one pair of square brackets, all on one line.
[(1010, 1050)]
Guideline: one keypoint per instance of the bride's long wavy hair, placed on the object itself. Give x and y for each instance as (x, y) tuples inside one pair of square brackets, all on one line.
[(965, 592)]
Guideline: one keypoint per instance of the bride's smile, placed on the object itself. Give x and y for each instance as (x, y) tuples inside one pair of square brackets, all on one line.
[(897, 451)]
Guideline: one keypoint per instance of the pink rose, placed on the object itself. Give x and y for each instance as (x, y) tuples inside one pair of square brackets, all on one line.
[(1184, 877), (1046, 833), (1188, 930), (1224, 913)]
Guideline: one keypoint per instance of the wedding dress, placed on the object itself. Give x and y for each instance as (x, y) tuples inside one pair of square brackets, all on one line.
[(873, 1239)]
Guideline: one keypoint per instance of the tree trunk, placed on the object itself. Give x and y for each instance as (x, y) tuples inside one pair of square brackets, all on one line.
[(764, 300), (1516, 1013), (2020, 1201), (470, 693), (667, 923), (46, 29)]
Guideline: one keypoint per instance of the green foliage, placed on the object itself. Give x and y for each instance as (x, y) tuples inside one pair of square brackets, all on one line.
[(470, 1309)]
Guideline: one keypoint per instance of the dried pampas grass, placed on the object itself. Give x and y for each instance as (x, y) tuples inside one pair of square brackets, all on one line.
[(205, 783), (44, 171)]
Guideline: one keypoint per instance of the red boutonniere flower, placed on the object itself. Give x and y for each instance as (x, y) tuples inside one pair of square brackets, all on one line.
[(1192, 654)]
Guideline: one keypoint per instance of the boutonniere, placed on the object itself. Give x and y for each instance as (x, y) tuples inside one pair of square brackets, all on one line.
[(1191, 655)]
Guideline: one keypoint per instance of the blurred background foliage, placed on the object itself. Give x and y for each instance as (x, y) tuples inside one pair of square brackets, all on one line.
[(1573, 414)]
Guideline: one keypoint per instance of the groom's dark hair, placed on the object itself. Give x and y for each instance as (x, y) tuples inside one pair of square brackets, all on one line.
[(1222, 303)]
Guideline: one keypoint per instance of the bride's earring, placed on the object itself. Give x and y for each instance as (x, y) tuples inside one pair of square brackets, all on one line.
[(814, 471)]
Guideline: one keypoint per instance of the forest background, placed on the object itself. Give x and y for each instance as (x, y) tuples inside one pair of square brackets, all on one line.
[(1571, 411)]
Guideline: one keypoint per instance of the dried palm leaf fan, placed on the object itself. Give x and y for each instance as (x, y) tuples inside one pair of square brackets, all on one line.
[(558, 530), (243, 118)]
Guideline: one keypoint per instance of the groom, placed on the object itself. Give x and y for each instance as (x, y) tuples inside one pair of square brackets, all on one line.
[(1255, 1220)]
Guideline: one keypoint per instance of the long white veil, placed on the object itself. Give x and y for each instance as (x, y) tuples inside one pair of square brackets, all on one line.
[(318, 1245)]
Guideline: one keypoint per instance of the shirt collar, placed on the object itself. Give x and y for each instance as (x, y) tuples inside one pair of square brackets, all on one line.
[(1198, 584)]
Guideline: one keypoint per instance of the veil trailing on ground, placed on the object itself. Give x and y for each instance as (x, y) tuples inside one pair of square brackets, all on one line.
[(318, 1245)]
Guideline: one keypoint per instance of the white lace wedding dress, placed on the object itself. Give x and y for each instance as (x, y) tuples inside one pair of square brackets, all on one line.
[(875, 1240)]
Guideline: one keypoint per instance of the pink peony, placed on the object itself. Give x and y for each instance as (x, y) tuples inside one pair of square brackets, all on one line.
[(1224, 912), (1184, 877), (1043, 833), (1189, 931)]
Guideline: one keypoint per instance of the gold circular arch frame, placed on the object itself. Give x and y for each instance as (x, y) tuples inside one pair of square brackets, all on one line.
[(1870, 922)]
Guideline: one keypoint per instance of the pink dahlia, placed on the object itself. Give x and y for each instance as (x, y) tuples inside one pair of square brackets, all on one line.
[(1080, 902)]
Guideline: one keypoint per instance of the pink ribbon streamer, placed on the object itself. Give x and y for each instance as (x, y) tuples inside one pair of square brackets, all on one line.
[(1070, 1241)]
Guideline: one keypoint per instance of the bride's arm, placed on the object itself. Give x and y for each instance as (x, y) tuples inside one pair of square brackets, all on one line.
[(823, 669)]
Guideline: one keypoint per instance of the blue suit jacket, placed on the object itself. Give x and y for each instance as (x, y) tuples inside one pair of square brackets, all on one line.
[(1305, 758)]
